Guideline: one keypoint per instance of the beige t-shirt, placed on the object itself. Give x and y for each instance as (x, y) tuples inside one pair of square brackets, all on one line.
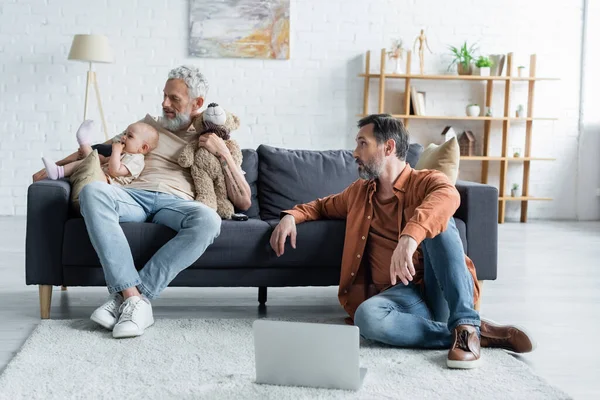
[(133, 162), (162, 173)]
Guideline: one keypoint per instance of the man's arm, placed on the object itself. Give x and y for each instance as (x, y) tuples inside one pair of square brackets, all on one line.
[(238, 189), (440, 203)]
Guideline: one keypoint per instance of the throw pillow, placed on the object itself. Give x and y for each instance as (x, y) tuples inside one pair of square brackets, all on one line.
[(444, 158), (88, 171)]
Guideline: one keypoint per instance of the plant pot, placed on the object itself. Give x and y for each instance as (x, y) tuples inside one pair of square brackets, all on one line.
[(514, 192), (398, 69), (484, 71), (465, 70), (521, 72), (520, 113), (473, 111)]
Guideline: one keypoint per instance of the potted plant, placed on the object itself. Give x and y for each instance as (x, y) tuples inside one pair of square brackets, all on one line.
[(513, 191), (463, 58), (516, 152), (521, 71), (484, 64), (520, 111), (473, 110)]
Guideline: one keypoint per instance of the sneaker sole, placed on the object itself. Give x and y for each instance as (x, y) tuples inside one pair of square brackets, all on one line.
[(533, 342), (102, 323), (454, 364), (132, 334)]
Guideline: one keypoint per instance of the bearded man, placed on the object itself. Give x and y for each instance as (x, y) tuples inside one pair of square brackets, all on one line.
[(162, 194)]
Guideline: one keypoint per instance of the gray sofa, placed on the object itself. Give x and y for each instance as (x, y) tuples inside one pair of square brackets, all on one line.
[(59, 252)]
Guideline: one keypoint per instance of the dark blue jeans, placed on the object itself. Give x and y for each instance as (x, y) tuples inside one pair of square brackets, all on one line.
[(404, 316)]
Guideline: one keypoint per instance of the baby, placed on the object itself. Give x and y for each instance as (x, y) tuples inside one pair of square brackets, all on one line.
[(127, 160)]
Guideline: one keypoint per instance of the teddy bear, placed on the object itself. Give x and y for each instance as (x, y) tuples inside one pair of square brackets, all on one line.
[(207, 173)]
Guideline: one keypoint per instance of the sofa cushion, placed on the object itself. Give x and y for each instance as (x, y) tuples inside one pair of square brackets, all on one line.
[(250, 167), (240, 244), (290, 177), (444, 158)]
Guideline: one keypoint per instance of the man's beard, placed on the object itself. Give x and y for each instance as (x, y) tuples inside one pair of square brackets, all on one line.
[(181, 120), (371, 169)]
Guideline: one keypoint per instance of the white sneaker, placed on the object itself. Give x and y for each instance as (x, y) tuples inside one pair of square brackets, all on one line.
[(136, 315), (108, 313)]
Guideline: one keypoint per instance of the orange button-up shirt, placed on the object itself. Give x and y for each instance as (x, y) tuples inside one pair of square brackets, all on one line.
[(426, 202)]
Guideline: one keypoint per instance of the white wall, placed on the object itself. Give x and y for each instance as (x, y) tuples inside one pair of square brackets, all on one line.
[(588, 180), (310, 101)]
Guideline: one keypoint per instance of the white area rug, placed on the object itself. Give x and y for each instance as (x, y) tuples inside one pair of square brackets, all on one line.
[(214, 359)]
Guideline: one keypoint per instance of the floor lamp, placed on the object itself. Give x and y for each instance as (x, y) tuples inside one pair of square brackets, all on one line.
[(91, 49)]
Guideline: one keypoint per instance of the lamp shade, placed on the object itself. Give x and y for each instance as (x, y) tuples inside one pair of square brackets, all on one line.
[(91, 48)]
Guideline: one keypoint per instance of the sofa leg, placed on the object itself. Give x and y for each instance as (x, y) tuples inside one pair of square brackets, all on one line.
[(262, 295), (45, 300), (478, 304)]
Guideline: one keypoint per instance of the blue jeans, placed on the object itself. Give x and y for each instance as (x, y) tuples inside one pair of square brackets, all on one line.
[(103, 206), (404, 316)]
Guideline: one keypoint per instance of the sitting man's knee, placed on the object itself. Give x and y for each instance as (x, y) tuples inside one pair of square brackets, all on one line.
[(368, 318), (92, 191), (206, 220)]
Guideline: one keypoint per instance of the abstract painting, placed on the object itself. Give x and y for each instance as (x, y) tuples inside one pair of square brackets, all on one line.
[(240, 28)]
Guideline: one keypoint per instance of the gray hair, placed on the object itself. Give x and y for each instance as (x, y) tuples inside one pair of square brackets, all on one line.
[(193, 78)]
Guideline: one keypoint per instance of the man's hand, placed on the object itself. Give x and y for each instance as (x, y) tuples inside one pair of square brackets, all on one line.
[(402, 265), (40, 175), (214, 144), (285, 228)]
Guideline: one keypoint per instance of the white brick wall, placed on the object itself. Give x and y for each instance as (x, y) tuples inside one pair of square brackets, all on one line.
[(310, 101)]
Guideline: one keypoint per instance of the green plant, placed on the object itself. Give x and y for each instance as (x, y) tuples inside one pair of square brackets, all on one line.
[(474, 104), (483, 61), (515, 186), (463, 55)]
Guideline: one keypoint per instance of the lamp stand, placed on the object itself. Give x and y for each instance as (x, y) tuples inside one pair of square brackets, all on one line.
[(91, 79)]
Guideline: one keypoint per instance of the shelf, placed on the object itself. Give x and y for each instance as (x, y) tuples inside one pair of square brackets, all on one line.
[(523, 198), (458, 77), (509, 159), (466, 118)]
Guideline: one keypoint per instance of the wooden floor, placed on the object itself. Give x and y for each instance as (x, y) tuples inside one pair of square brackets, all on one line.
[(549, 282)]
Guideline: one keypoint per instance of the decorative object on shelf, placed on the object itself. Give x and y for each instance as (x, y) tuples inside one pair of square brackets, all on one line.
[(520, 111), (448, 133), (521, 71), (417, 102), (516, 152), (463, 58), (467, 143), (514, 190), (489, 112), (422, 39), (240, 29), (497, 64), (473, 110), (92, 49), (397, 53), (484, 64)]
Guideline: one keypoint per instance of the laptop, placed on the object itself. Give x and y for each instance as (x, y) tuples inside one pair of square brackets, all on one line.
[(307, 354)]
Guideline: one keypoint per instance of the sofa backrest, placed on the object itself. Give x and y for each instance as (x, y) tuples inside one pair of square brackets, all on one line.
[(250, 167), (290, 177)]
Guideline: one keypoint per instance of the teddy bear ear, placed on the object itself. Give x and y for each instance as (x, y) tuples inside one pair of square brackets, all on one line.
[(233, 122)]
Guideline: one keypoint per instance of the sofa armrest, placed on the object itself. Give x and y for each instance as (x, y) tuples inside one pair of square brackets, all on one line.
[(47, 213), (479, 210)]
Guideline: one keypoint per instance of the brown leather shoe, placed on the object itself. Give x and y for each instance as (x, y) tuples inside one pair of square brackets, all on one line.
[(464, 353), (505, 337)]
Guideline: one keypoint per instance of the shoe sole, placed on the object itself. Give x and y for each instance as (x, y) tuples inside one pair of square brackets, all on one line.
[(531, 339), (102, 323), (454, 364), (132, 334)]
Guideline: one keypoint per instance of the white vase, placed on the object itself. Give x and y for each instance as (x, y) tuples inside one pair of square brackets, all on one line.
[(398, 69), (473, 111), (484, 71)]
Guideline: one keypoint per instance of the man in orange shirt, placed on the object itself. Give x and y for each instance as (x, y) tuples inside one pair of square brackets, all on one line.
[(399, 229)]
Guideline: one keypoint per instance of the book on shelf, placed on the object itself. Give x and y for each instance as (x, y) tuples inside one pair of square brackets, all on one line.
[(417, 102)]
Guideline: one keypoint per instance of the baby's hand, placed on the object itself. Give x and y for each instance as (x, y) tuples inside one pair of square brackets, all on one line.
[(118, 147)]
